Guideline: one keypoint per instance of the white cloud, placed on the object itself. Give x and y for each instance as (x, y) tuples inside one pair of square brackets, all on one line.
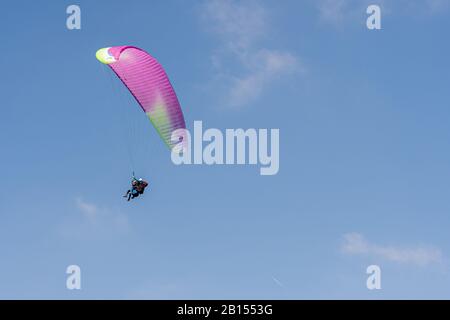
[(240, 27), (269, 65), (95, 221), (437, 6), (239, 24), (89, 210), (438, 3), (333, 11), (356, 244), (338, 12)]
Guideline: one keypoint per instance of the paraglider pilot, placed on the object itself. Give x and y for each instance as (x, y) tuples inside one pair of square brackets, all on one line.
[(137, 188)]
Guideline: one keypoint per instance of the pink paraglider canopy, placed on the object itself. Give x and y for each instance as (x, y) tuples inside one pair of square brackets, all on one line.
[(147, 81)]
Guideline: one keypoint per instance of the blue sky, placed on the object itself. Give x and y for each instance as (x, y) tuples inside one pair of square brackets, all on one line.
[(364, 158)]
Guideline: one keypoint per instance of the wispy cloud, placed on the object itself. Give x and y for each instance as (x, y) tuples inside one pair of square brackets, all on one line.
[(93, 219), (89, 210), (438, 5), (240, 28), (333, 11), (356, 244), (338, 12), (269, 65), (239, 24)]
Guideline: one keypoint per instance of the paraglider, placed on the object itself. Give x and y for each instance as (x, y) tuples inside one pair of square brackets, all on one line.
[(149, 84), (137, 188)]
